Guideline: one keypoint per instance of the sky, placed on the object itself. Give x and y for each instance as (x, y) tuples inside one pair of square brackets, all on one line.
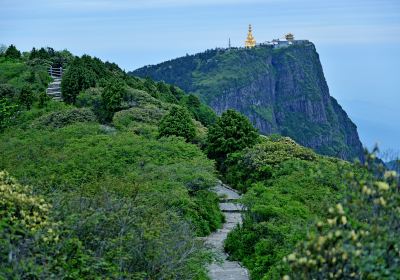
[(358, 41)]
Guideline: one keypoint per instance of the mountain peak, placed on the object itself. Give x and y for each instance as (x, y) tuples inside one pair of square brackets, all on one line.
[(280, 87)]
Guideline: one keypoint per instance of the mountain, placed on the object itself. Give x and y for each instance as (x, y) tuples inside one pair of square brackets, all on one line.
[(393, 165), (281, 90)]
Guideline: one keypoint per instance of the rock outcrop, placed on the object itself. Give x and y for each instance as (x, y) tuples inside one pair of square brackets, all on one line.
[(281, 91)]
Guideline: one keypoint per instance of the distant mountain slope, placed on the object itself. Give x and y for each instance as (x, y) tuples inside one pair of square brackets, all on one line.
[(281, 91), (393, 165)]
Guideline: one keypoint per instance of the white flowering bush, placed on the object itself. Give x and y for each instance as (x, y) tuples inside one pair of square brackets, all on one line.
[(361, 237), (19, 207), (30, 242)]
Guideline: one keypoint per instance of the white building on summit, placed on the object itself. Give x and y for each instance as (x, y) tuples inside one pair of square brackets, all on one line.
[(285, 42)]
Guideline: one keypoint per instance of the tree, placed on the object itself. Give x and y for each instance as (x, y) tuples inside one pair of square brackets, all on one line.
[(33, 53), (193, 101), (26, 97), (179, 123), (12, 52), (231, 133), (200, 112), (112, 96), (76, 78)]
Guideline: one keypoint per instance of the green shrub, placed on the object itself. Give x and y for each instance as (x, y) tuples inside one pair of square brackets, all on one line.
[(7, 112), (64, 118), (43, 100), (147, 115), (136, 204), (177, 123), (360, 238), (7, 91), (254, 164), (287, 187), (77, 77), (231, 133), (32, 245), (199, 111), (139, 98), (112, 96), (26, 97)]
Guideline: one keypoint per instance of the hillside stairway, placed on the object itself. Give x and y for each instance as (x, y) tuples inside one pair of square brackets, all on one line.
[(222, 268), (54, 88)]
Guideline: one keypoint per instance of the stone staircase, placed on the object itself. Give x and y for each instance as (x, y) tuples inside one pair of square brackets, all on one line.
[(54, 88), (222, 268)]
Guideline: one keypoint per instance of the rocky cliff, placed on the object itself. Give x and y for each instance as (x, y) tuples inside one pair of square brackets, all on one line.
[(281, 91)]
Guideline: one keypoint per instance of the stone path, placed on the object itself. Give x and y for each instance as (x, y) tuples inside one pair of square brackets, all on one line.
[(223, 269), (54, 89)]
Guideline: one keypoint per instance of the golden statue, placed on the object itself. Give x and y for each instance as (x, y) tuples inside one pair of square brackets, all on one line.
[(250, 41)]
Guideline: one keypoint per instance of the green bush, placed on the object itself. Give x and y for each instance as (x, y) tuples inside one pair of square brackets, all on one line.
[(26, 97), (254, 164), (148, 115), (177, 123), (32, 244), (135, 204), (199, 111), (64, 118), (287, 187), (18, 74), (112, 96), (7, 112), (231, 133), (139, 98), (77, 77), (7, 91), (360, 238)]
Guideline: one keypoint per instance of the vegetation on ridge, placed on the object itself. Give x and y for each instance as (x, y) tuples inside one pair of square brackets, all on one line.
[(127, 204), (115, 184)]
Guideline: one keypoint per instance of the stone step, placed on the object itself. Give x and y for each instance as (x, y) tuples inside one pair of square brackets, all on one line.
[(54, 93), (54, 89), (231, 207), (223, 269), (228, 271), (225, 192), (233, 211), (231, 200)]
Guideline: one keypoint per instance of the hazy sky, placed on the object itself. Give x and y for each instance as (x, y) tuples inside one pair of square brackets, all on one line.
[(358, 41)]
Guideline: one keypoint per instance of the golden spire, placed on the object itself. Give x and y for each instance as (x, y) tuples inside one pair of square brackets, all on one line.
[(250, 41)]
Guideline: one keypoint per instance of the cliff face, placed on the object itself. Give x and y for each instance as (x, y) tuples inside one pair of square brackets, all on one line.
[(281, 91)]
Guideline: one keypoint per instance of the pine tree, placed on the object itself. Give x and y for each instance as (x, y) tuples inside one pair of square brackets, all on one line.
[(112, 96), (178, 123), (231, 133), (12, 52)]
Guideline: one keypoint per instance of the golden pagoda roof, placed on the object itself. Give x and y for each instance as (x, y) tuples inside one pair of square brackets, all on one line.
[(250, 41), (289, 36)]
